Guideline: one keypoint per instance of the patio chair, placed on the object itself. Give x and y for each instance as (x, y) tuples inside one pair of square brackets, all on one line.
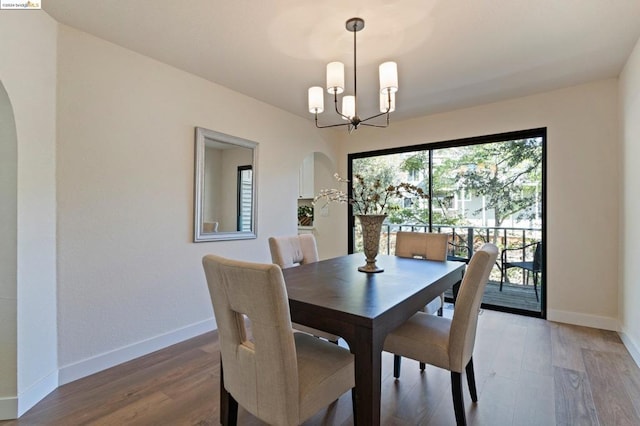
[(533, 266), (455, 252)]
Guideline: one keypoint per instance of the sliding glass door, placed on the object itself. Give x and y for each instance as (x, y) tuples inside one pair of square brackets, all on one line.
[(485, 189)]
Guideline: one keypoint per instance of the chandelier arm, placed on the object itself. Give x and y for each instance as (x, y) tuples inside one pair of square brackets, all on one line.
[(332, 125), (376, 116), (329, 125), (375, 125), (335, 102)]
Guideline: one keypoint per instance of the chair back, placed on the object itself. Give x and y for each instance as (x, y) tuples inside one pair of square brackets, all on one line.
[(462, 334), (425, 245), (260, 374), (537, 258), (293, 250)]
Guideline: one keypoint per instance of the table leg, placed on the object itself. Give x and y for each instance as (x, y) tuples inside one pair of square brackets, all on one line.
[(367, 350)]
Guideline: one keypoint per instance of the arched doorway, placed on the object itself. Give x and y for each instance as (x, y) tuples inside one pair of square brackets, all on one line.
[(8, 257)]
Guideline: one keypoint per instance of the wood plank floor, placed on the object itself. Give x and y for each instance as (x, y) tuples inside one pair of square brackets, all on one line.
[(516, 296), (528, 371)]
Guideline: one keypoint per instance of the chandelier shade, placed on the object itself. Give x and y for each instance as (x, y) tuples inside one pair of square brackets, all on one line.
[(335, 77), (316, 100), (388, 72), (348, 107), (388, 77)]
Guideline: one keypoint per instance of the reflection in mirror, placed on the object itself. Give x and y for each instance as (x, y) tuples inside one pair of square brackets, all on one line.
[(225, 187)]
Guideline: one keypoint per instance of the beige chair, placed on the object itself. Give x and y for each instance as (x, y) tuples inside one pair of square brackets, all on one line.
[(448, 343), (279, 376), (423, 245), (293, 250), (290, 251)]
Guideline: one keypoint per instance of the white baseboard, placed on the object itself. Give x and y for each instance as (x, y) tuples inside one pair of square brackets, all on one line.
[(586, 320), (36, 392), (632, 347), (92, 365), (8, 408), (14, 407)]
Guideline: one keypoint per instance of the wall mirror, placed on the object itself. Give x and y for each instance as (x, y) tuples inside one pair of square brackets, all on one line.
[(225, 187)]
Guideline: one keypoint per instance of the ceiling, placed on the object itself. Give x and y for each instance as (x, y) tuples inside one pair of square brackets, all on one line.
[(450, 53)]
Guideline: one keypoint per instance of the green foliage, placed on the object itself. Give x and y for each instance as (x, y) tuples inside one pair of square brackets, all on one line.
[(417, 162), (507, 174), (375, 168), (442, 198)]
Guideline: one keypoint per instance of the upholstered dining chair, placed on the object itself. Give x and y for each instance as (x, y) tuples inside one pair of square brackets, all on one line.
[(281, 377), (448, 343), (293, 250), (423, 245), (290, 251)]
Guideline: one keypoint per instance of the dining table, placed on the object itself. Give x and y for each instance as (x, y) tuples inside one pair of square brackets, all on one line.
[(362, 308)]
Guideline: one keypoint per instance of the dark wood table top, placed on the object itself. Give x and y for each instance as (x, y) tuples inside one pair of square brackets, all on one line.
[(336, 284)]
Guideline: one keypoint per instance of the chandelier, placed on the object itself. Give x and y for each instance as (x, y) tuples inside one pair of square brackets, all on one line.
[(335, 85)]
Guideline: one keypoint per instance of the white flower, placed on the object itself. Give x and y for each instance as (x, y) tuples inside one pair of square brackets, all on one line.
[(368, 198)]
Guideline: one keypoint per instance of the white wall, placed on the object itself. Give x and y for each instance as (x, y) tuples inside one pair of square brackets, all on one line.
[(323, 223), (582, 185), (130, 279), (28, 73), (630, 212)]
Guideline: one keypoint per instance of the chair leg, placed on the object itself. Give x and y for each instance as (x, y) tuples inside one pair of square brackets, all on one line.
[(458, 401), (353, 405), (228, 404), (471, 381), (535, 285), (456, 289), (441, 309), (503, 272), (397, 359)]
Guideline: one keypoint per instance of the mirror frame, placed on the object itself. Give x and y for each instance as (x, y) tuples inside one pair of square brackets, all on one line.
[(201, 136)]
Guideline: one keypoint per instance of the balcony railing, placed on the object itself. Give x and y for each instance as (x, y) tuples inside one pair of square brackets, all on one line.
[(464, 240)]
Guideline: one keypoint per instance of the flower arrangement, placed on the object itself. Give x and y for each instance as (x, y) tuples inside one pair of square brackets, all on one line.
[(369, 197)]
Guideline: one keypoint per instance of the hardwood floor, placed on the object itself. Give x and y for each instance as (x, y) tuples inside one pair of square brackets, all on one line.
[(512, 296), (528, 372)]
